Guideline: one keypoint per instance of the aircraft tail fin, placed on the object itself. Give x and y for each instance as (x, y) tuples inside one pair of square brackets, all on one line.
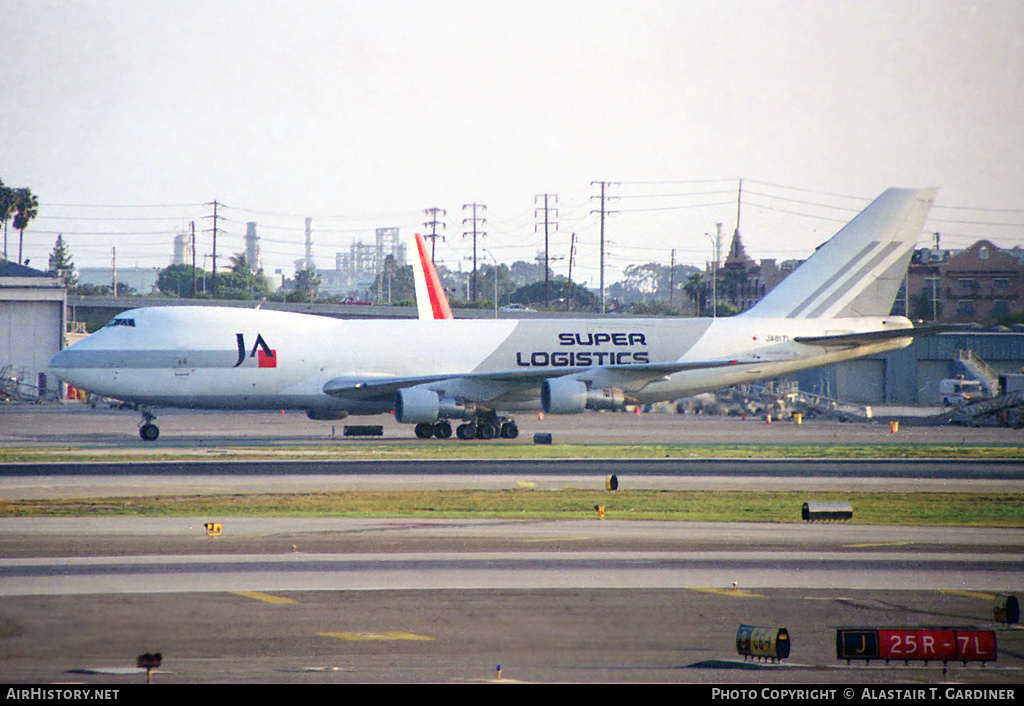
[(431, 301), (859, 270)]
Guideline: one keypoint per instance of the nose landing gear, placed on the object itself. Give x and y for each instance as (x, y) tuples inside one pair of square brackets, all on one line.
[(147, 430)]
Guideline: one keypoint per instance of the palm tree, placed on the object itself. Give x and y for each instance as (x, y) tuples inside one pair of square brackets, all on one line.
[(26, 205), (6, 209)]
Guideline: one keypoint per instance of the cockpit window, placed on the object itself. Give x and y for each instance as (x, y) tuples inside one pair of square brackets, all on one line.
[(121, 322)]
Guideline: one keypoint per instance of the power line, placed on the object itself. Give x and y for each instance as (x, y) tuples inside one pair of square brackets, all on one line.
[(475, 220), (433, 224), (549, 201), (604, 213)]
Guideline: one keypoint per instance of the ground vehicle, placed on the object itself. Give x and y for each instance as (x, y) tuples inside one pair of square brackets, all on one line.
[(960, 391)]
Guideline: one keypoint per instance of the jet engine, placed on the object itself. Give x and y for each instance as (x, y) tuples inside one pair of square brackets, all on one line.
[(419, 406), (325, 415), (563, 396)]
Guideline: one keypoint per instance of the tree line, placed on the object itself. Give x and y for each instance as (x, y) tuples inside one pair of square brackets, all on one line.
[(650, 289)]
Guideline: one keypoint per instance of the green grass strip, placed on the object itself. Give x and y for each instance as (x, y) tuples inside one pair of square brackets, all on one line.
[(955, 509)]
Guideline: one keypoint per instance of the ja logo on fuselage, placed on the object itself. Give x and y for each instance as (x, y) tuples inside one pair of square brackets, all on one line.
[(265, 357)]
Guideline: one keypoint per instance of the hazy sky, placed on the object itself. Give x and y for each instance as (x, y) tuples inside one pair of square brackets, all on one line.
[(127, 116)]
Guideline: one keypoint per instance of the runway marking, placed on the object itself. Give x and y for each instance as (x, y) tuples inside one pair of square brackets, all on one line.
[(877, 544), (526, 484), (556, 539), (727, 592), (265, 597), (971, 594), (354, 636)]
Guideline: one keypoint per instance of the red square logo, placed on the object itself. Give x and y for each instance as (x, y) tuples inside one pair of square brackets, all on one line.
[(267, 360)]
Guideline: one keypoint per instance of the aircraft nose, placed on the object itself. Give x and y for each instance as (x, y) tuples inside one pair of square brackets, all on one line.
[(61, 361), (64, 363)]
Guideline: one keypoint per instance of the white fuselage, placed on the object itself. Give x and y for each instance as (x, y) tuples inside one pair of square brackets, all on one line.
[(229, 358)]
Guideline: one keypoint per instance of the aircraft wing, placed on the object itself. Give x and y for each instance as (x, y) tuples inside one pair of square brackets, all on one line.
[(355, 387), (854, 339)]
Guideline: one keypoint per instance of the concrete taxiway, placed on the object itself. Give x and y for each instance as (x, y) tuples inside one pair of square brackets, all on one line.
[(79, 426)]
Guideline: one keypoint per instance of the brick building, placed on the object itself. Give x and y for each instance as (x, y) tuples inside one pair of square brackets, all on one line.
[(982, 284)]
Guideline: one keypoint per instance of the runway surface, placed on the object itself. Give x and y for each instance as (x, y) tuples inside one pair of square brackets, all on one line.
[(174, 554), (338, 600), (370, 600)]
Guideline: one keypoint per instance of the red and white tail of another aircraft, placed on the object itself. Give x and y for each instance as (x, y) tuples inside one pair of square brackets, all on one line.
[(431, 300), (833, 308)]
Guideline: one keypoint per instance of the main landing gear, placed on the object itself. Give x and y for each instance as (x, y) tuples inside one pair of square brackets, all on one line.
[(484, 427), (147, 430)]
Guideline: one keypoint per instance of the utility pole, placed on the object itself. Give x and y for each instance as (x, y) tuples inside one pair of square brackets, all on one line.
[(192, 239), (433, 224), (113, 264), (672, 278), (213, 284), (604, 212), (716, 245), (935, 281), (739, 203), (549, 201), (572, 257), (475, 232), (906, 296), (718, 258)]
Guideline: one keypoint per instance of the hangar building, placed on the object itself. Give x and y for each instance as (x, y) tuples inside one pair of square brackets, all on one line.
[(32, 324), (911, 375)]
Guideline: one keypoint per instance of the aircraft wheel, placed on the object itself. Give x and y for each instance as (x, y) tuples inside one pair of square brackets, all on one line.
[(442, 429), (487, 431), (149, 432), (424, 431), (466, 431), (509, 430)]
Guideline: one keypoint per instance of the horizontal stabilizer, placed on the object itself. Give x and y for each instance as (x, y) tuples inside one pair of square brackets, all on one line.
[(855, 339)]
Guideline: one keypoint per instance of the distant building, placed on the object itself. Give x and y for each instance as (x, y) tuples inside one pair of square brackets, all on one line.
[(743, 282), (355, 271), (308, 262), (253, 256), (912, 375), (982, 284), (182, 249), (32, 323), (140, 279)]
